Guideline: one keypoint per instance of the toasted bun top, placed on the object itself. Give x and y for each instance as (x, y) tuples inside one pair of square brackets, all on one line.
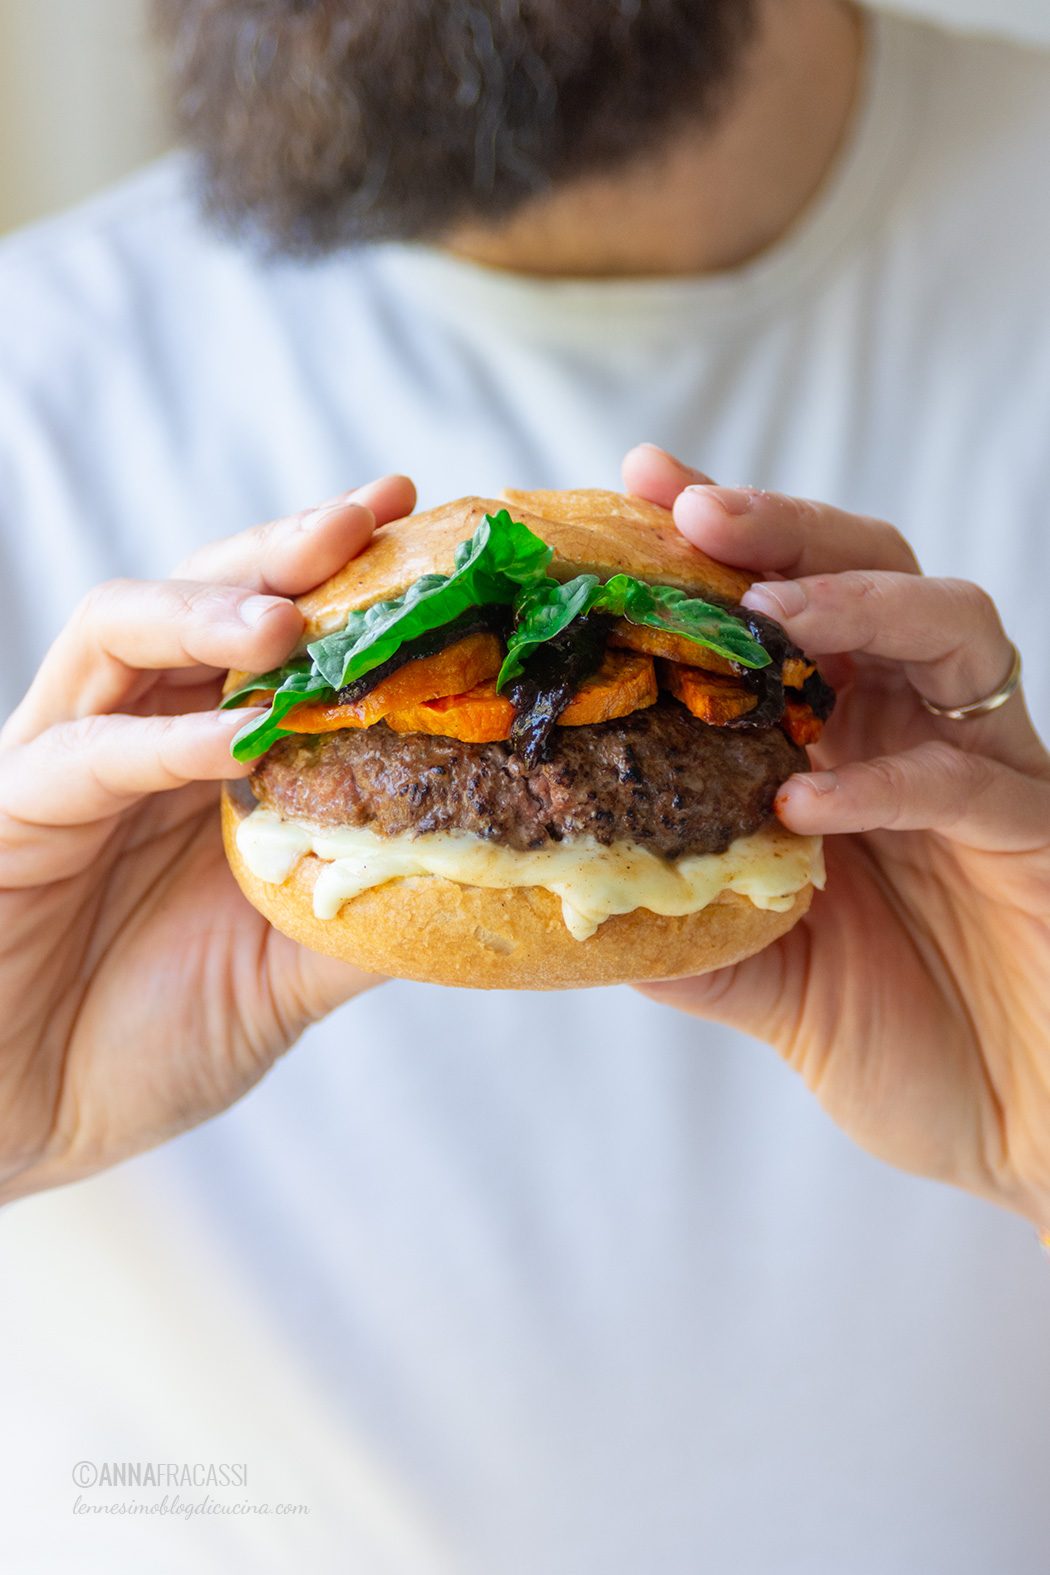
[(592, 532)]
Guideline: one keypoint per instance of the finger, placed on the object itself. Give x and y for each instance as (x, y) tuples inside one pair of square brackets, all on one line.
[(125, 627), (946, 633), (756, 996), (933, 787), (290, 556), (308, 984), (652, 473), (765, 531), (91, 769)]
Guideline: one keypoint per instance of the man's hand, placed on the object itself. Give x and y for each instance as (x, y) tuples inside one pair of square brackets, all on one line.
[(141, 992), (913, 999)]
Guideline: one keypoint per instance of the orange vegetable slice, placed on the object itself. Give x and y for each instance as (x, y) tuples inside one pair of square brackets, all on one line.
[(796, 671), (711, 698), (480, 716), (449, 672), (676, 648), (800, 723), (625, 682), (671, 647)]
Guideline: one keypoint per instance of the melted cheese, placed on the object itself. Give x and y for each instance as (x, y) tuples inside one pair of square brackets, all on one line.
[(593, 882)]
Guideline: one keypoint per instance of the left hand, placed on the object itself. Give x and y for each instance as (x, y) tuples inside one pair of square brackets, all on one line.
[(913, 997)]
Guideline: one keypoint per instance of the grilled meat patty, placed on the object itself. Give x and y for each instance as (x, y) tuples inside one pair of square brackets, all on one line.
[(658, 777)]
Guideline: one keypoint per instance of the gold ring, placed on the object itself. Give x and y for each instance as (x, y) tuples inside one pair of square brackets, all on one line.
[(992, 702)]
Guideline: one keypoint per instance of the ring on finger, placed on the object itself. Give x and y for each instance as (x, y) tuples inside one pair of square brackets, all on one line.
[(991, 702)]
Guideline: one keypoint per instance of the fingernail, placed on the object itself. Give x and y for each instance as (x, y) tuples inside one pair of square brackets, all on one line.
[(697, 478), (314, 519), (255, 608), (784, 599), (732, 500), (819, 783)]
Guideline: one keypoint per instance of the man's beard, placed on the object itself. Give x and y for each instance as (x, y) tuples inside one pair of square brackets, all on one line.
[(325, 123)]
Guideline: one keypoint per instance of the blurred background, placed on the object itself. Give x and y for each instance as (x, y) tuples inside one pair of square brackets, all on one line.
[(81, 101)]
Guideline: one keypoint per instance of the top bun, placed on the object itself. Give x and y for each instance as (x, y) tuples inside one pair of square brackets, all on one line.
[(592, 532)]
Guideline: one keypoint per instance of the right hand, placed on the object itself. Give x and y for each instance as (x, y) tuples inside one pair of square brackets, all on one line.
[(142, 993)]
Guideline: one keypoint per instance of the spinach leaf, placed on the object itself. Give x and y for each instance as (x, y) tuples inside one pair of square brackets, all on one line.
[(547, 608), (272, 680), (256, 737), (541, 613), (490, 568)]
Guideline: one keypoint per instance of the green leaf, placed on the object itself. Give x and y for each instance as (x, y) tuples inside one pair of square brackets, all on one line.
[(272, 680), (544, 610), (541, 612), (256, 737), (662, 607), (490, 569)]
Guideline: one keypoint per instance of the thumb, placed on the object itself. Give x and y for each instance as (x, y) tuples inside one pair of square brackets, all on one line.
[(651, 472), (307, 986), (755, 996)]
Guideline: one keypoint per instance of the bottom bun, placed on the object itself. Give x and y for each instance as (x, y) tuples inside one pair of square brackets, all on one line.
[(439, 932)]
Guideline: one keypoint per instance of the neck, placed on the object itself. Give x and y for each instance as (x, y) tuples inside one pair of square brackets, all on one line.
[(715, 196)]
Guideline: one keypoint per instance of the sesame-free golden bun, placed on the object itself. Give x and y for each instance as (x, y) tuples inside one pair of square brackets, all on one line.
[(591, 532), (438, 931)]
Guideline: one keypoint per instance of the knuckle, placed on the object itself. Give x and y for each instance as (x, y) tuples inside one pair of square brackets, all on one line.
[(178, 603), (899, 547), (943, 760), (887, 774), (197, 565), (977, 605), (961, 776), (153, 731), (866, 585), (861, 596), (177, 600), (161, 601), (803, 513), (98, 602), (83, 735)]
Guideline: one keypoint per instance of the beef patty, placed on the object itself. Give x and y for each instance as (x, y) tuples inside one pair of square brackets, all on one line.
[(659, 777)]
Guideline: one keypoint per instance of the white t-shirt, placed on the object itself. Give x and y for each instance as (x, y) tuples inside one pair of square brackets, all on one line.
[(522, 1283)]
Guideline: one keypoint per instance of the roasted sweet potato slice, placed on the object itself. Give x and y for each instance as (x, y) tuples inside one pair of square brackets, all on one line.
[(796, 670), (625, 682), (480, 716), (709, 697), (800, 723), (629, 636), (449, 672)]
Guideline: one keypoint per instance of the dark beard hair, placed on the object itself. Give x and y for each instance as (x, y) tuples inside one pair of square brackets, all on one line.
[(326, 123)]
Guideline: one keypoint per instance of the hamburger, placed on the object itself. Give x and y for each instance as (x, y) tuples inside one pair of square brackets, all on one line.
[(528, 743)]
